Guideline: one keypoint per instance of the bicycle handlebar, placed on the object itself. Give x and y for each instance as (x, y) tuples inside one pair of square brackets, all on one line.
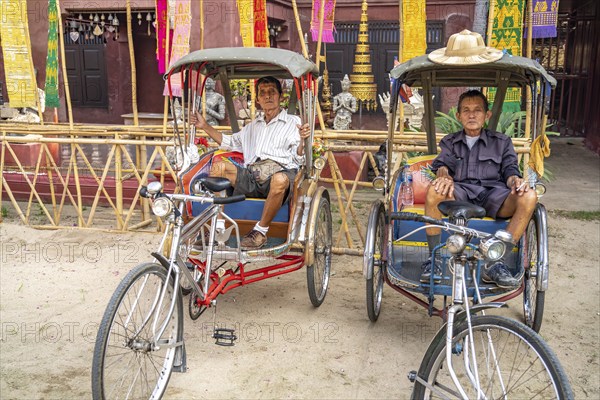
[(197, 198), (229, 200), (407, 216)]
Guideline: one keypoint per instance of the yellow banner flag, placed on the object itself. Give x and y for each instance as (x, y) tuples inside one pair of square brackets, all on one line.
[(413, 25), (246, 12), (14, 30)]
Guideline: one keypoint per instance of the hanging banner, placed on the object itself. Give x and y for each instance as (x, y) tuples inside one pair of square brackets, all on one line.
[(51, 85), (507, 34), (413, 24), (14, 31), (261, 34), (161, 35), (181, 43), (246, 13), (328, 21), (544, 19)]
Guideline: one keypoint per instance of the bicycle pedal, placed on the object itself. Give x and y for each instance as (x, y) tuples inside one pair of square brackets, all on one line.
[(224, 336), (457, 348), (412, 376)]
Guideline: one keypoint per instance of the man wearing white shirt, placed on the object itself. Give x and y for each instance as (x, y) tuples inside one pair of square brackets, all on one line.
[(275, 136)]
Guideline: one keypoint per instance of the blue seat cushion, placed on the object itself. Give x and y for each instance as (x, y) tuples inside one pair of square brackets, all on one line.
[(249, 209)]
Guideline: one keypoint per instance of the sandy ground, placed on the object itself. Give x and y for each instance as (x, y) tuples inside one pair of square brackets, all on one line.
[(55, 285)]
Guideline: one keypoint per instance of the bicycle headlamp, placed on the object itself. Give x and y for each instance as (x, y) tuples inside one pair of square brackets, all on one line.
[(161, 206), (456, 243), (379, 183), (492, 248), (319, 163)]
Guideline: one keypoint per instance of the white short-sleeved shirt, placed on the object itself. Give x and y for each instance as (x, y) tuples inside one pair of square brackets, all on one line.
[(278, 140)]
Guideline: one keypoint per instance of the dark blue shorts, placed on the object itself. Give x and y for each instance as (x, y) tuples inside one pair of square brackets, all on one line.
[(491, 198), (247, 185)]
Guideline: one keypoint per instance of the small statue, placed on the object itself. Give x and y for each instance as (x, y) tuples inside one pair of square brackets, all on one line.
[(344, 105), (215, 104)]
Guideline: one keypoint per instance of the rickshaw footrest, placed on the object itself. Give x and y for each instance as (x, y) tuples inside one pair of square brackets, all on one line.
[(224, 336)]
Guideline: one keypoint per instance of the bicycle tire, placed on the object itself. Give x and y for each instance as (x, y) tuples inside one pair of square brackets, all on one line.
[(373, 260), (122, 340), (317, 274), (533, 299), (528, 367)]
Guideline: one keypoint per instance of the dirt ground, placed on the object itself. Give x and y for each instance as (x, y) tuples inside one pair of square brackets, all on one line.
[(55, 285)]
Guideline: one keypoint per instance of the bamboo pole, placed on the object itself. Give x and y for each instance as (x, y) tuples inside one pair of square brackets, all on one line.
[(299, 28), (35, 178), (320, 37), (49, 174), (349, 206), (2, 174), (132, 62), (31, 186), (14, 201), (61, 43), (201, 24), (490, 22), (336, 186), (167, 53)]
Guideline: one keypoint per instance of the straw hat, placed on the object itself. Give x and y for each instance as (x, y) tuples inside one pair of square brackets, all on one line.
[(465, 48)]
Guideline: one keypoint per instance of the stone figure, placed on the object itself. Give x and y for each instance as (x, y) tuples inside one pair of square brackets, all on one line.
[(344, 105), (215, 104), (413, 111)]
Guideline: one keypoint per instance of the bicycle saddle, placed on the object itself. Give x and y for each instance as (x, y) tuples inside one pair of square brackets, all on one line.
[(461, 209), (213, 183)]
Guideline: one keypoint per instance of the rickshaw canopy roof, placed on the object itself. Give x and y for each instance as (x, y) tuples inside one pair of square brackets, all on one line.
[(248, 62), (522, 71)]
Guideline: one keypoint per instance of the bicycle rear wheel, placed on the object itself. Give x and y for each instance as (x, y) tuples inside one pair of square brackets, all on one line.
[(512, 361), (128, 361)]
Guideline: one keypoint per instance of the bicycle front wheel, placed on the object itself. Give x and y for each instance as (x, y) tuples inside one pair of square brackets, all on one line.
[(130, 362), (510, 361)]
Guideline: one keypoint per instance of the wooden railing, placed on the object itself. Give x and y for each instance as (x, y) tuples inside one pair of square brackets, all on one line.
[(54, 176)]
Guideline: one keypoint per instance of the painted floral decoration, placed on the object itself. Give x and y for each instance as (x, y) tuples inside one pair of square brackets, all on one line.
[(202, 144)]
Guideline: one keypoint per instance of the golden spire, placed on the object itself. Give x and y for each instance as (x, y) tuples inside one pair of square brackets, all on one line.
[(363, 87)]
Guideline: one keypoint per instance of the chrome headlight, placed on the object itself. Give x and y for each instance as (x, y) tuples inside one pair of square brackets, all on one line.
[(319, 163), (379, 183), (162, 206), (492, 248), (154, 187), (456, 244), (540, 189)]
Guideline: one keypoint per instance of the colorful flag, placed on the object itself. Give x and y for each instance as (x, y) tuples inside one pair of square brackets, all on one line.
[(161, 34), (181, 43), (51, 86), (507, 33), (14, 31), (328, 26), (261, 34), (544, 19), (246, 13), (413, 25)]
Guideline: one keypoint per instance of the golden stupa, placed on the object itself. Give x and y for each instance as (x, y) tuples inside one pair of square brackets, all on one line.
[(363, 86)]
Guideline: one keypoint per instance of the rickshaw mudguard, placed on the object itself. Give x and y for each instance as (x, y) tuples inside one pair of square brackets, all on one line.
[(309, 244), (541, 219), (376, 208)]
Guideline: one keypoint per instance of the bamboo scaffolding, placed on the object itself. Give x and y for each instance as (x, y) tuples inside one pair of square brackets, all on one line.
[(337, 176)]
